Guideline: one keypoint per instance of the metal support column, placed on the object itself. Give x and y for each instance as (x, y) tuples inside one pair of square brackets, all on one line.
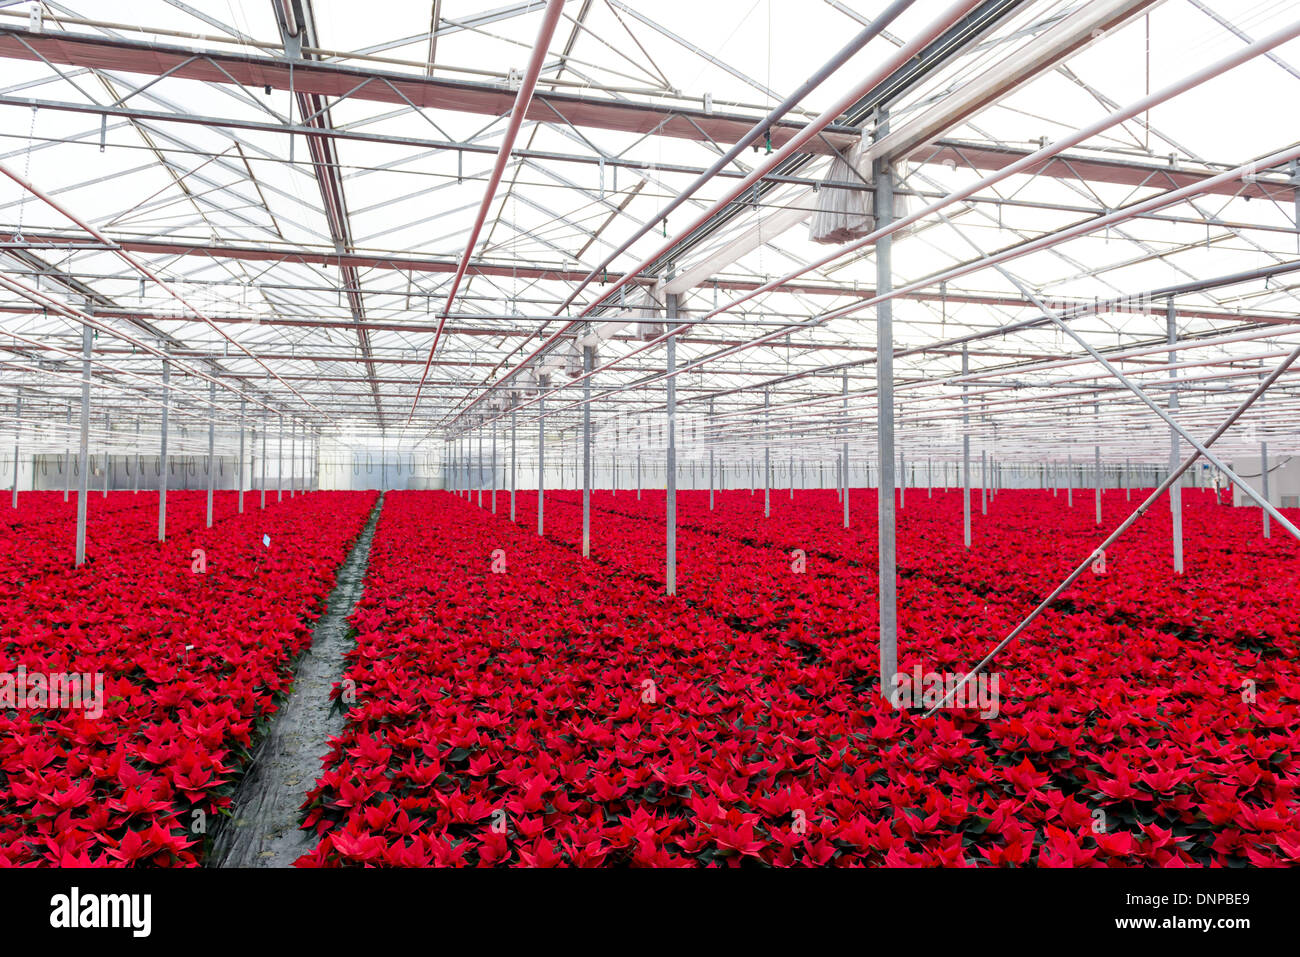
[(293, 458), (587, 358), (902, 479), (108, 432), (18, 424), (279, 461), (513, 453), (239, 472), (710, 461), (767, 455), (1096, 453), (1175, 490), (1263, 471), (884, 207), (984, 481), (541, 462), (212, 443), (162, 453), (263, 490), (965, 444), (67, 454), (83, 481), (670, 496), (494, 468), (844, 448)]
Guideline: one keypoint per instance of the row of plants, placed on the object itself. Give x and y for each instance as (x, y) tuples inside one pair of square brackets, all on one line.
[(184, 649), (560, 710)]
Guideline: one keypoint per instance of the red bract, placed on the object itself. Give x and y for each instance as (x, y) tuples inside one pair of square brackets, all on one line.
[(191, 663), (564, 708)]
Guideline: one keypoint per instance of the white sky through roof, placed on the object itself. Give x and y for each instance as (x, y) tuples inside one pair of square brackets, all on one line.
[(203, 184)]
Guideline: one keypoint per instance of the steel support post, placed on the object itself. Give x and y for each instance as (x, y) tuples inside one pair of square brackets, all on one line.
[(541, 462), (494, 468), (513, 454), (83, 481), (1263, 471), (18, 415), (670, 562), (984, 481), (279, 462), (844, 447), (965, 444), (293, 459), (587, 359), (1096, 453), (162, 452), (212, 439), (239, 472), (108, 432), (767, 455), (884, 208), (67, 454), (710, 478), (263, 488), (710, 461), (1175, 489)]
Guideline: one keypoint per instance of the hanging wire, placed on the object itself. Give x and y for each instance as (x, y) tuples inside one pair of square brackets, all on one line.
[(27, 166)]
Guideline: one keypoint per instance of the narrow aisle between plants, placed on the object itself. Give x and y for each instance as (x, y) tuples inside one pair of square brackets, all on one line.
[(262, 830)]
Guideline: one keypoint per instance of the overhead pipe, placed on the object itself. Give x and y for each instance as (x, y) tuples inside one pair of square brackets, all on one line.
[(792, 146), (1169, 198), (1030, 160), (89, 321), (846, 53), (1051, 239), (549, 21), (153, 277), (1163, 292)]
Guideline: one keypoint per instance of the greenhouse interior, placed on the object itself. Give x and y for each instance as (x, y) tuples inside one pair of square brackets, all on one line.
[(573, 433)]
